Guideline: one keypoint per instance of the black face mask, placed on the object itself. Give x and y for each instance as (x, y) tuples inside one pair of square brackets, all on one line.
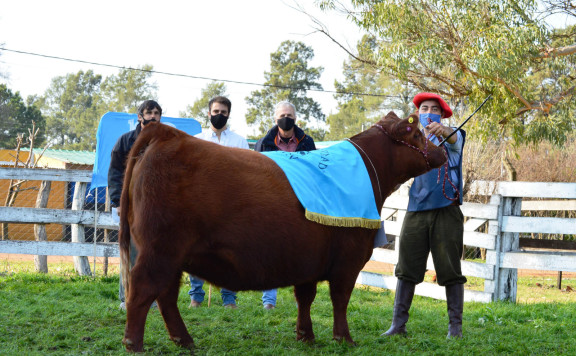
[(146, 122), (218, 121), (286, 123)]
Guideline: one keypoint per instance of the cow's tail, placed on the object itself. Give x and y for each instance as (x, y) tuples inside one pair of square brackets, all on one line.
[(124, 237)]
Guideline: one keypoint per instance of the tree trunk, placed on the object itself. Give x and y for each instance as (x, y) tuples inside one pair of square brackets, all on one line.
[(41, 261), (510, 170)]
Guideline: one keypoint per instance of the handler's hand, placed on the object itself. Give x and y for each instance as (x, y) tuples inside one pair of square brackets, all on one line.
[(440, 131)]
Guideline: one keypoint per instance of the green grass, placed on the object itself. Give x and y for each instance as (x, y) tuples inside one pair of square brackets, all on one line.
[(63, 314)]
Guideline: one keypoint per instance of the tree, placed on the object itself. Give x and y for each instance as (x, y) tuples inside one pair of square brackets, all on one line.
[(199, 110), (127, 90), (74, 103), (289, 79), (2, 73), (466, 50), (71, 106), (366, 95), (17, 118)]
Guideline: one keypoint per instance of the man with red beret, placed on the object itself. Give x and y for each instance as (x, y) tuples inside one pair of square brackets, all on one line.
[(433, 223)]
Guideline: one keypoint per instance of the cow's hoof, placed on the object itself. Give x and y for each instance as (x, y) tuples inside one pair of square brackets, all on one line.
[(131, 346), (305, 337), (186, 343), (347, 340)]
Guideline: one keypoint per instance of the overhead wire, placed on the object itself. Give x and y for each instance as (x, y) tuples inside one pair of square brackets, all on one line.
[(194, 76)]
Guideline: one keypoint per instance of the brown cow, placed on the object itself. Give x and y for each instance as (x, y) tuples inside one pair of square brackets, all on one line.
[(212, 211)]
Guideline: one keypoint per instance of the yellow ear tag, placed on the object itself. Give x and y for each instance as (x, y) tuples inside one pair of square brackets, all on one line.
[(410, 120)]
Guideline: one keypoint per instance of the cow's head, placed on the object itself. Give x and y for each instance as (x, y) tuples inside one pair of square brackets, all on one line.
[(416, 151)]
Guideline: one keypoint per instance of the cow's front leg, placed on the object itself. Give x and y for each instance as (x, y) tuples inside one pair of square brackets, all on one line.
[(168, 304), (305, 294), (340, 291)]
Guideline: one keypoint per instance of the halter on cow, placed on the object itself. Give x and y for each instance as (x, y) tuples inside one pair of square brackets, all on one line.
[(209, 210)]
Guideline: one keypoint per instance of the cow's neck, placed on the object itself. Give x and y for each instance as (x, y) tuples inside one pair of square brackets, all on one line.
[(379, 162)]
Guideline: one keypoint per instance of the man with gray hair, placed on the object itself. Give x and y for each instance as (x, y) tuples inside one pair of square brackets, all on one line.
[(284, 136)]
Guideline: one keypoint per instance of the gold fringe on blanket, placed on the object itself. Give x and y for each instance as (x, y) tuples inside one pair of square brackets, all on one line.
[(342, 221)]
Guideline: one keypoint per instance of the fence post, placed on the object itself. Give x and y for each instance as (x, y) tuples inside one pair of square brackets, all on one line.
[(106, 232), (41, 261), (493, 256), (81, 263), (508, 241)]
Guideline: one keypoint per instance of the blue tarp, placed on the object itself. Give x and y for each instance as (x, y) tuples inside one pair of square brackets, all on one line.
[(112, 126)]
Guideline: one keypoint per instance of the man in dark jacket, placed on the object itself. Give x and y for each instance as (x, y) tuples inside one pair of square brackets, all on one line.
[(284, 136), (148, 111)]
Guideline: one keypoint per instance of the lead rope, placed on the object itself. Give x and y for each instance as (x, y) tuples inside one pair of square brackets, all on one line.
[(374, 168), (446, 177), (423, 153)]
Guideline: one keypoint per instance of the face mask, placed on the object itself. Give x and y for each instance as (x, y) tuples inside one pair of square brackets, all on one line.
[(218, 121), (286, 123), (146, 122), (426, 119)]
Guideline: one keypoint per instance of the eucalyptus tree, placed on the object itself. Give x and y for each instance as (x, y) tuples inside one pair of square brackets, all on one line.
[(290, 77), (466, 50)]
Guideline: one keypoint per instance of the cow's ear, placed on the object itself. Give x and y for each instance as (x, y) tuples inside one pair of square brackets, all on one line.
[(389, 122)]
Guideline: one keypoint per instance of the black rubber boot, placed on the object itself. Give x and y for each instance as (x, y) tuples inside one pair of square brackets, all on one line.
[(402, 302), (455, 302)]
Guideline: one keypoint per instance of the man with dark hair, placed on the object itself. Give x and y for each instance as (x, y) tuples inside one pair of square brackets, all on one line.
[(284, 136), (218, 112), (148, 112), (433, 223)]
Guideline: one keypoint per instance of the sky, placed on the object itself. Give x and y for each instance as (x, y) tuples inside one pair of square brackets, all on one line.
[(220, 39)]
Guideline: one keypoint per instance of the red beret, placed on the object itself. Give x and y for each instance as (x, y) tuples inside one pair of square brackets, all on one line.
[(418, 99)]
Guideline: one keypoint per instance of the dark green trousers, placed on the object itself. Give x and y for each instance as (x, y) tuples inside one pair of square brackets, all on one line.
[(439, 231)]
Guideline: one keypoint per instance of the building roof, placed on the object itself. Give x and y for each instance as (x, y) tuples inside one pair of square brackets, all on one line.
[(68, 156)]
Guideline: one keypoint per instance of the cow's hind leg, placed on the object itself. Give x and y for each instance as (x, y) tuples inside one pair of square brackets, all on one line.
[(340, 291), (167, 302), (305, 294), (138, 304)]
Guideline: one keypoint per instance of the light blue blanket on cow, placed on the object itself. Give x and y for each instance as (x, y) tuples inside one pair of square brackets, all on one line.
[(332, 184)]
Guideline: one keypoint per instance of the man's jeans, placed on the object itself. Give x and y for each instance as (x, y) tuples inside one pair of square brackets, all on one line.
[(197, 293), (269, 296)]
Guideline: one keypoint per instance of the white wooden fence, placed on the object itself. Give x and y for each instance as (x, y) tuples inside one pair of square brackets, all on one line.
[(503, 255), (76, 217), (501, 240)]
